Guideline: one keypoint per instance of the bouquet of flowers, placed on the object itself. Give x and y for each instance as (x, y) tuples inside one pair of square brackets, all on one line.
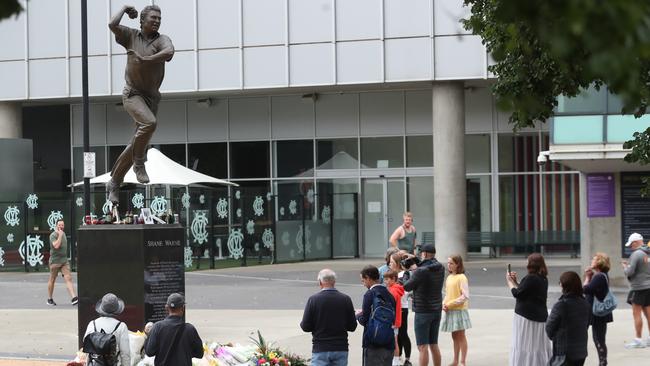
[(267, 355)]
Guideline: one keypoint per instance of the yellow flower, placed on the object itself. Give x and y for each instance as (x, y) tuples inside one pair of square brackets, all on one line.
[(272, 355)]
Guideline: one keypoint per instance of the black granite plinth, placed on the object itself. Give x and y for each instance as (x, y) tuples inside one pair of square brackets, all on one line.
[(141, 264)]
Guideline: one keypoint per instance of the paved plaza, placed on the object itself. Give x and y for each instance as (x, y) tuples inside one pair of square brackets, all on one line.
[(227, 305)]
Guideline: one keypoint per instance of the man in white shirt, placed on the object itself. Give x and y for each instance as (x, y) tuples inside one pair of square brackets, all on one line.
[(109, 307)]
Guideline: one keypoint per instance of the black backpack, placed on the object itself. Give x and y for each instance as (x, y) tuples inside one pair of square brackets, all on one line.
[(101, 347)]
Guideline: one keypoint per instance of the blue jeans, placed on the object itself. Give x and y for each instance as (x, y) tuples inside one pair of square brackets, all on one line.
[(338, 358)]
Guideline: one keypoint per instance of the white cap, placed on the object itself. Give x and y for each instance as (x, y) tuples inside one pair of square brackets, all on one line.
[(634, 237)]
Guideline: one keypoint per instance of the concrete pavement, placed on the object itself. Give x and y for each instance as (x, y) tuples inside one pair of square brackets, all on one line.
[(228, 305)]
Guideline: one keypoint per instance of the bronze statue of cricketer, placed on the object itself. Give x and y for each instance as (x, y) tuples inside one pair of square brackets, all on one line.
[(147, 51)]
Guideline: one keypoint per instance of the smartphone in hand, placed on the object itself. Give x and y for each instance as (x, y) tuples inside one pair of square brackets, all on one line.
[(509, 269)]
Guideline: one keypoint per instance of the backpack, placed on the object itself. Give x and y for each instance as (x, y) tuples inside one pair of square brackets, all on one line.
[(379, 329), (101, 347)]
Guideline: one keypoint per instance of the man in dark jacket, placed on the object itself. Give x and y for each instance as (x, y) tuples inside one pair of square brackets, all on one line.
[(171, 340), (426, 282), (374, 355), (329, 316)]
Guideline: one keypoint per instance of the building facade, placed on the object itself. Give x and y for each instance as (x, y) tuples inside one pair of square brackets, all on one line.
[(388, 99)]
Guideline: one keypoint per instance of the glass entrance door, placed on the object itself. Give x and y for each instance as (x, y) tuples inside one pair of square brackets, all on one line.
[(383, 206)]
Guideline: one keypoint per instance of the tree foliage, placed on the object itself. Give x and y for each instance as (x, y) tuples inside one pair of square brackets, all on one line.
[(9, 8), (546, 48)]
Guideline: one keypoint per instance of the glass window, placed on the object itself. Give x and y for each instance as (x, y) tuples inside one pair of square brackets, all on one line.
[(100, 161), (588, 101), (294, 158), (382, 152), (210, 159), (420, 202), (244, 196), (560, 202), (113, 153), (577, 129), (479, 204), (337, 154), (477, 153), (295, 199), (249, 159), (176, 152), (419, 151), (518, 153), (614, 104), (621, 128), (518, 203)]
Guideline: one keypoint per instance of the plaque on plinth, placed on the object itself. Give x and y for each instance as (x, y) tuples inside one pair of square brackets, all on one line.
[(141, 264)]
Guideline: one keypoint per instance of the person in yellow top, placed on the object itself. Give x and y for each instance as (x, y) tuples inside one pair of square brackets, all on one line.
[(455, 306)]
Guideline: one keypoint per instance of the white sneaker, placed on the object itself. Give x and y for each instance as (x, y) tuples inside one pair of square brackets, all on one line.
[(636, 343)]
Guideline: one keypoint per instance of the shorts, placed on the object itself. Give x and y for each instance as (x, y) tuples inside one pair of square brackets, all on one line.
[(426, 327), (63, 268), (640, 297)]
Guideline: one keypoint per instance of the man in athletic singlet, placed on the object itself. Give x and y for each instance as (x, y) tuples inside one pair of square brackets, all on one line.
[(404, 236)]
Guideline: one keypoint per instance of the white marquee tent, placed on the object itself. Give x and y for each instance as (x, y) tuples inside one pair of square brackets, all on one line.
[(163, 170)]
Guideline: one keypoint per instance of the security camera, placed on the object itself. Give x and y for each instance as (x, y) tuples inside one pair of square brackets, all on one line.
[(542, 158)]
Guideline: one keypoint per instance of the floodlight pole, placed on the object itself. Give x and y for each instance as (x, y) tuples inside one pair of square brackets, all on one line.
[(84, 90)]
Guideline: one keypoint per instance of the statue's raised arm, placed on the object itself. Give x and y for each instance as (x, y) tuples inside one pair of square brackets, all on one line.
[(147, 51)]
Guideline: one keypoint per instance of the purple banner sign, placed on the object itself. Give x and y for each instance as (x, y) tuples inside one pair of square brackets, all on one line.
[(600, 195)]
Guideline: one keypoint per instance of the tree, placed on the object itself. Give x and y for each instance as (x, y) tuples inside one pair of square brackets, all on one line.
[(546, 48), (9, 8)]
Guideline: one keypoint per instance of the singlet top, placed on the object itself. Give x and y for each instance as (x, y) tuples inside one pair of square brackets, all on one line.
[(408, 241)]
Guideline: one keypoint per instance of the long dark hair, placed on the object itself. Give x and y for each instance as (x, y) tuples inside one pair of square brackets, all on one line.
[(536, 265), (571, 284)]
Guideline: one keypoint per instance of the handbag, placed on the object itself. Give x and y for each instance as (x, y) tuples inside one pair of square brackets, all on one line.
[(605, 307)]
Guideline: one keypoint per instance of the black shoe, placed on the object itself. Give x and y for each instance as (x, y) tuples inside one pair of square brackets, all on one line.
[(407, 363), (51, 302), (74, 301)]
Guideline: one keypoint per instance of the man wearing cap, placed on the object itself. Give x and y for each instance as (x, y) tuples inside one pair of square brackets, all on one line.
[(173, 341), (426, 283), (637, 271), (109, 307)]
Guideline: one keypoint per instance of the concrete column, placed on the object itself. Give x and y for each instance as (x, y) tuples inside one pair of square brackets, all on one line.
[(11, 120), (602, 234), (449, 185)]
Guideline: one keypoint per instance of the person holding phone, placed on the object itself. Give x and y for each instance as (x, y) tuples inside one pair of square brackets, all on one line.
[(596, 285), (530, 346)]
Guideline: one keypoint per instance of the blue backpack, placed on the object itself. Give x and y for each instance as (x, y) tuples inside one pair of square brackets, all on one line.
[(379, 329)]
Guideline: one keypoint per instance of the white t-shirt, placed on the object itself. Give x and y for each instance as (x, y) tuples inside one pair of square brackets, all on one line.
[(407, 295), (121, 336)]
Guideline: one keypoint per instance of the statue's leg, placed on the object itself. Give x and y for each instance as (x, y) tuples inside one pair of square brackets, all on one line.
[(121, 166), (140, 110)]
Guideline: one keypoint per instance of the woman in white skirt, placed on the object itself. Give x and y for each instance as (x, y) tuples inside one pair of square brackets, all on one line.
[(455, 306), (530, 346)]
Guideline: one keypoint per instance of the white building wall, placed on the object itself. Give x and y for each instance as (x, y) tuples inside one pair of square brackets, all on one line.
[(231, 45)]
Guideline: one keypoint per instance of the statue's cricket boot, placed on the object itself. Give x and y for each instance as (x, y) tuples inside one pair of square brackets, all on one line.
[(141, 173), (113, 189)]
